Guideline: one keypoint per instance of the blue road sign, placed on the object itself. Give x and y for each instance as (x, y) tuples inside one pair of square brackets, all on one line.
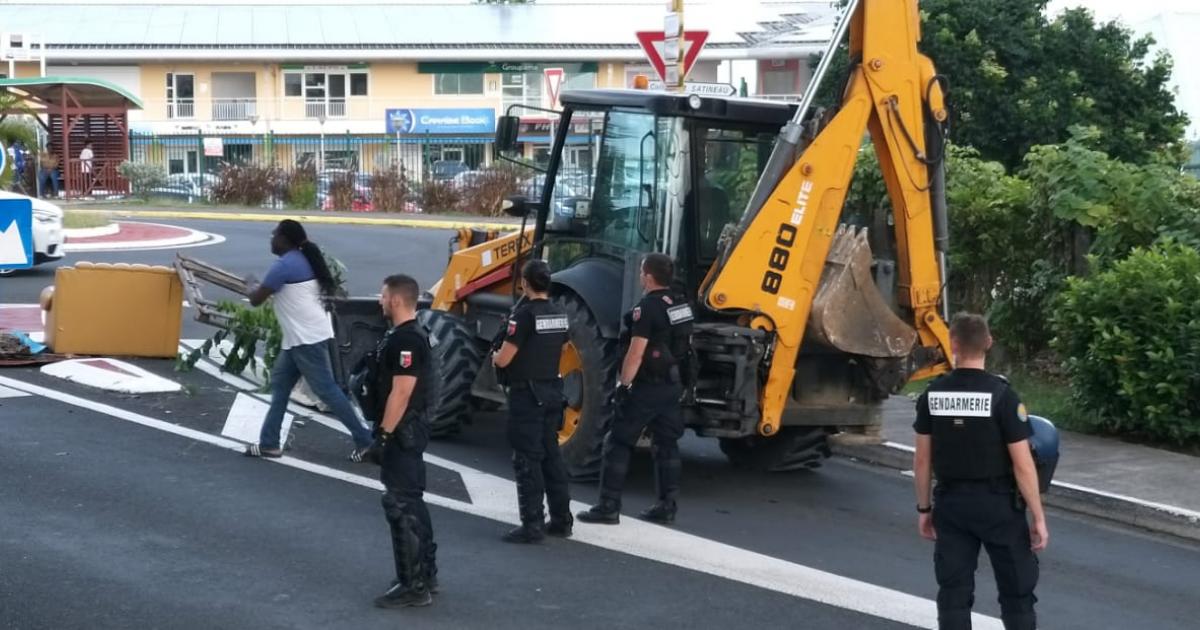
[(16, 234)]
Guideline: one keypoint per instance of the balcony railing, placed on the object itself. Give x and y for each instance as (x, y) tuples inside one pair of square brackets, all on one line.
[(234, 108), (181, 108), (332, 108)]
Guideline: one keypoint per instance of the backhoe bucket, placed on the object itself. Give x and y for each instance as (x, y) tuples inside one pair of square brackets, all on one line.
[(848, 313)]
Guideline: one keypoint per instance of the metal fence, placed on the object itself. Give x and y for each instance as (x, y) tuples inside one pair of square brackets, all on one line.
[(336, 172)]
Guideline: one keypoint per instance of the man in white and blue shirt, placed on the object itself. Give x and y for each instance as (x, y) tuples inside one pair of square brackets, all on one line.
[(296, 283)]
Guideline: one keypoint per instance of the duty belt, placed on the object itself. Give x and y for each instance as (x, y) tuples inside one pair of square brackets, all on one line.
[(1003, 483)]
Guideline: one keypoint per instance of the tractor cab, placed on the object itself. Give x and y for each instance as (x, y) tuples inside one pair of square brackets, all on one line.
[(634, 171)]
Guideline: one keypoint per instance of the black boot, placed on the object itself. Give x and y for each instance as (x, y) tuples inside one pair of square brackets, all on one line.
[(608, 512), (1019, 621), (401, 596), (527, 533), (662, 512), (561, 527)]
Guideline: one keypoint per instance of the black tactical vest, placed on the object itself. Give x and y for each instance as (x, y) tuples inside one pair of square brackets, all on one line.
[(967, 442), (538, 356)]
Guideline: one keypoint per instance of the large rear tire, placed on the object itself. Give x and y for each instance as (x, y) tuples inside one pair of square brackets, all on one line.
[(793, 448), (588, 368), (457, 361)]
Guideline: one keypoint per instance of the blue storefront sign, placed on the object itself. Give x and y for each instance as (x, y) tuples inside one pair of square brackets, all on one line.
[(441, 121)]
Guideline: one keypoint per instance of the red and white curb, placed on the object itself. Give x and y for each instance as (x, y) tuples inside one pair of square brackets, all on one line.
[(92, 232), (179, 237)]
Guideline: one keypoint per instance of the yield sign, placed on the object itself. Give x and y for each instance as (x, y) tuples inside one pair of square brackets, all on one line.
[(554, 81), (652, 42)]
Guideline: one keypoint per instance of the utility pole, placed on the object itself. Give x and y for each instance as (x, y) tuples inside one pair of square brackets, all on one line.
[(673, 42)]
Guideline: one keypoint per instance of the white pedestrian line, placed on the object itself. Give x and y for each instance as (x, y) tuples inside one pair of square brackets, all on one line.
[(11, 393), (245, 420), (494, 498)]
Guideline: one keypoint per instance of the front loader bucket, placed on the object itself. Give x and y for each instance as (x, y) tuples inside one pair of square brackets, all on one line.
[(848, 313)]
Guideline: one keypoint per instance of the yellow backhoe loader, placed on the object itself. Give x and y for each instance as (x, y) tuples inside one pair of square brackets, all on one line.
[(807, 320)]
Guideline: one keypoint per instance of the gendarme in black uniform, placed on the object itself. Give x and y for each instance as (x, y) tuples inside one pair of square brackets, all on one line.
[(971, 417), (535, 402), (405, 351), (664, 319)]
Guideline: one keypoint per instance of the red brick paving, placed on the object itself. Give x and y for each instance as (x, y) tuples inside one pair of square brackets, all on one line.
[(21, 317)]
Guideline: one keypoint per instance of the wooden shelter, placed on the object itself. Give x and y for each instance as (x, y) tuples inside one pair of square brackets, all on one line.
[(76, 112)]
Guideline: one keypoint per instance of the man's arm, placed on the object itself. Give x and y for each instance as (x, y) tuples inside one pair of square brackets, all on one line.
[(923, 480), (1027, 483), (633, 359), (260, 294), (397, 402), (507, 352)]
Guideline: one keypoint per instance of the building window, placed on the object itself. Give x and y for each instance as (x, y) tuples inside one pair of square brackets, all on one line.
[(458, 84), (325, 92), (181, 95), (292, 85), (581, 81), (521, 88)]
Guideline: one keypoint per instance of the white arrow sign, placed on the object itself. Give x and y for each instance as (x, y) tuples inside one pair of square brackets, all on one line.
[(703, 89)]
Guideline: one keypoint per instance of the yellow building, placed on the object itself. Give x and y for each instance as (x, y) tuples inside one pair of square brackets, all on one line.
[(365, 85)]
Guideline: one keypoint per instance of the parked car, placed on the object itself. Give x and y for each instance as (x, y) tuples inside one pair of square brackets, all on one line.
[(443, 170), (362, 190), (47, 229), (188, 187)]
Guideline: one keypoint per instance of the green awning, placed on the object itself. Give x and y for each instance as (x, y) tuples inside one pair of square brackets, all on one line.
[(89, 92)]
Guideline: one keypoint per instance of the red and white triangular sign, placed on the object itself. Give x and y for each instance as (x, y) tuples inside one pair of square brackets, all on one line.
[(652, 42), (554, 81)]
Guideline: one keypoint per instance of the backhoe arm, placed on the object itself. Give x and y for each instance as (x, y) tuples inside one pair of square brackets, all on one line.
[(772, 267)]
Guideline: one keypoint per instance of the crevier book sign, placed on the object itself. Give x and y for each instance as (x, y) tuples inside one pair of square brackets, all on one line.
[(441, 121)]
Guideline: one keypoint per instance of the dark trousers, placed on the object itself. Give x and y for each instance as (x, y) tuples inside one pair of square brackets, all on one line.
[(535, 414), (403, 475), (657, 407), (966, 518)]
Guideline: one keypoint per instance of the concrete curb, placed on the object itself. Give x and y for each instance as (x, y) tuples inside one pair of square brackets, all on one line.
[(436, 224), (93, 232), (1156, 517)]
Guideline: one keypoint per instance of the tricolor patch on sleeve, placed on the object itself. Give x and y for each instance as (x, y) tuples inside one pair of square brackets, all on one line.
[(1022, 413), (512, 327), (637, 313), (405, 359)]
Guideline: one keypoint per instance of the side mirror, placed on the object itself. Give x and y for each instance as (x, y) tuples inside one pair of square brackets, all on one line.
[(507, 129), (515, 207)]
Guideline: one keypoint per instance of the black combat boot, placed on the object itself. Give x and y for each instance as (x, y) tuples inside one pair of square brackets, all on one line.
[(662, 512), (401, 596), (561, 527), (608, 512), (527, 533)]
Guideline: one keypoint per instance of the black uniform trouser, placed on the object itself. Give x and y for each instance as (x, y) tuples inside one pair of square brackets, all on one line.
[(657, 407), (966, 518), (535, 414), (403, 475)]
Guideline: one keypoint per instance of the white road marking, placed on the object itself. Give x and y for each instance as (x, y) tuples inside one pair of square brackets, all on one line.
[(110, 374), (245, 420), (494, 498), (11, 393)]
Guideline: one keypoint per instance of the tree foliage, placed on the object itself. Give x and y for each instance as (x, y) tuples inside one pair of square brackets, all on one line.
[(1019, 79)]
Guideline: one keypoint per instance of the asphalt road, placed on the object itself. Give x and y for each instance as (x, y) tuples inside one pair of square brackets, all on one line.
[(369, 254), (107, 524)]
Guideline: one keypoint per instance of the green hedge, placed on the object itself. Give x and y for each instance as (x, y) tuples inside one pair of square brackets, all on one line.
[(1132, 335)]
